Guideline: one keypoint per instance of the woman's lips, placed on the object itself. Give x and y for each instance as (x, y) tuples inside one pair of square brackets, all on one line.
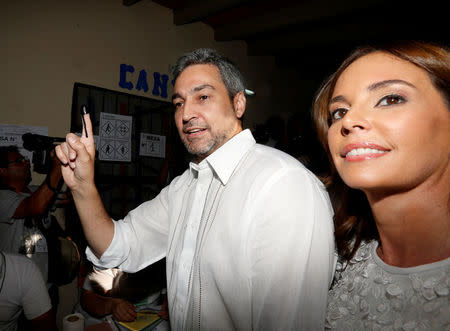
[(363, 151)]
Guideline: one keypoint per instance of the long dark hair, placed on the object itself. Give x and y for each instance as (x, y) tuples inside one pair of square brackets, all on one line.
[(353, 217)]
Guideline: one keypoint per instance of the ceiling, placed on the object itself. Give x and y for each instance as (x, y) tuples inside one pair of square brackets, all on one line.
[(312, 36)]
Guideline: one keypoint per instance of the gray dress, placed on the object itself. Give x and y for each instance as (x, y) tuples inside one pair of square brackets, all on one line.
[(370, 295)]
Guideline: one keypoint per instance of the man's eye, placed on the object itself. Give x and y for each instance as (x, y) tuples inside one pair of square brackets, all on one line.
[(204, 97), (392, 99), (177, 105), (338, 114)]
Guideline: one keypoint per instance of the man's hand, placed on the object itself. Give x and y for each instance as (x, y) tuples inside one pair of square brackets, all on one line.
[(123, 310), (77, 156)]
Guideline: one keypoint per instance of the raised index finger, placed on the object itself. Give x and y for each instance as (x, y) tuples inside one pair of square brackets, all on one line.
[(87, 135)]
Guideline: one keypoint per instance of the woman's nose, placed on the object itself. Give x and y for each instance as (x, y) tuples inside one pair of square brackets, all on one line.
[(355, 120)]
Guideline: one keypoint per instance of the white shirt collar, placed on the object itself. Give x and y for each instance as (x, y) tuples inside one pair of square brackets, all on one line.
[(226, 158)]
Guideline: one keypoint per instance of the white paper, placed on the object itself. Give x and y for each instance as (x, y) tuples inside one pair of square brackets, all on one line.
[(115, 137), (12, 135), (152, 145)]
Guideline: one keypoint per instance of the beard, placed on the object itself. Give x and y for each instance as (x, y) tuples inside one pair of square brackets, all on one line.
[(199, 151)]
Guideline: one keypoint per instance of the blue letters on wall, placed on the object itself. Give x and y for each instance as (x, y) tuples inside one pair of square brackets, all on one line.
[(159, 81), (142, 81), (123, 76)]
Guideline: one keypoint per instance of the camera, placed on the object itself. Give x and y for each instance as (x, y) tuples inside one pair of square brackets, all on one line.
[(40, 146)]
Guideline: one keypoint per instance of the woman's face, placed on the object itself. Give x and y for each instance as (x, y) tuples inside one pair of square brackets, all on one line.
[(391, 127)]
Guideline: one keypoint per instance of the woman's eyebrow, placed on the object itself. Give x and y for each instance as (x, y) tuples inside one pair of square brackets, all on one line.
[(388, 82), (375, 86), (338, 98)]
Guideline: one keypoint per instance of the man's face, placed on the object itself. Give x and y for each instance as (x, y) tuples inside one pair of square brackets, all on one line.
[(18, 168), (205, 116)]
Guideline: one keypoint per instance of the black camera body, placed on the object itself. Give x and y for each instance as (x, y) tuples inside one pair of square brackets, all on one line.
[(41, 147)]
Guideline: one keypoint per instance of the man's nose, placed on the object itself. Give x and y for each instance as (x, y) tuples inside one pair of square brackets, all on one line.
[(189, 111)]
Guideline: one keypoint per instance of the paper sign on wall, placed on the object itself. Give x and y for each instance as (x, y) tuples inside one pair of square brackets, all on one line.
[(12, 135), (115, 137), (152, 145)]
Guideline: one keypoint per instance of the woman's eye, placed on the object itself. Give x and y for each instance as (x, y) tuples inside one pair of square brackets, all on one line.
[(338, 114), (390, 100)]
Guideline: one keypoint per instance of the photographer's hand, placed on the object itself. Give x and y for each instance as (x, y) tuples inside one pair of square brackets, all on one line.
[(54, 177), (77, 156)]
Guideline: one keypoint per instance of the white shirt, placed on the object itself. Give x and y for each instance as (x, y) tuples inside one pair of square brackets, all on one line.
[(15, 237), (248, 237), (22, 288)]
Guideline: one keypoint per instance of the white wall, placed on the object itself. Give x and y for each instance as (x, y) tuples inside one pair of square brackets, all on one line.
[(50, 44)]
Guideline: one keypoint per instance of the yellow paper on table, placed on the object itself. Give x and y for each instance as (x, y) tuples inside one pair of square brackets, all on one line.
[(142, 321)]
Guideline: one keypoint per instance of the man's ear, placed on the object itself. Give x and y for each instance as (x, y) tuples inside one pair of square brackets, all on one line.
[(239, 103)]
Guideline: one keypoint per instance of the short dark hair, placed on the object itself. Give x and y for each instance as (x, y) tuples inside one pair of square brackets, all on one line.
[(230, 74), (4, 152)]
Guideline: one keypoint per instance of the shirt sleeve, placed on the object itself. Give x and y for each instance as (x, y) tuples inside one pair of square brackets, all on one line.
[(292, 253), (9, 201), (34, 296), (140, 239)]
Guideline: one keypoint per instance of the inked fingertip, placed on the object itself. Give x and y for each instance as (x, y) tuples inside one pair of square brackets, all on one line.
[(84, 110)]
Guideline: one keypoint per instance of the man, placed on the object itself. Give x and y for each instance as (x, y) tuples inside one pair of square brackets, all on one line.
[(24, 212), (23, 290), (246, 230), (23, 206), (112, 291)]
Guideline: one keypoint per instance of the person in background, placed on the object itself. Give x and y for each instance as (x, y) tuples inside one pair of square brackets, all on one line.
[(23, 290), (384, 119), (246, 230), (24, 209), (112, 291)]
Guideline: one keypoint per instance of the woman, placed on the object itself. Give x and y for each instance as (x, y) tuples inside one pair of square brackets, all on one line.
[(384, 119)]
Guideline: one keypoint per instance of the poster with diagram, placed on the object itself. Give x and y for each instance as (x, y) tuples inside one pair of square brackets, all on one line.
[(115, 137), (152, 145)]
